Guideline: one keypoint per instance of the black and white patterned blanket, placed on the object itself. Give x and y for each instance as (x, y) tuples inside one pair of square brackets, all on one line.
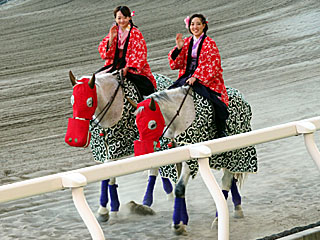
[(118, 140)]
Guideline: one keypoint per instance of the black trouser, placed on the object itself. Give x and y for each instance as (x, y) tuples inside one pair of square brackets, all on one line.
[(221, 113), (143, 84)]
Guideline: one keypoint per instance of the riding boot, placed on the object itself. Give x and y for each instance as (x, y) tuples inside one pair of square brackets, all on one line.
[(115, 204), (167, 186), (104, 193), (148, 197), (236, 198)]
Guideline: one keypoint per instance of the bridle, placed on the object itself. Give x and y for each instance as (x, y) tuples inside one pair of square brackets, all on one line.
[(177, 113), (105, 109)]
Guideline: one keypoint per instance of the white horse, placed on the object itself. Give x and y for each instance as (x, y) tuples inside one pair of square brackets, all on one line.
[(112, 132), (195, 124)]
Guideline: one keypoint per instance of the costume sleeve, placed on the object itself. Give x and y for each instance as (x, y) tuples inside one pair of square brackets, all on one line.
[(209, 64), (103, 49), (136, 57), (175, 53), (178, 61)]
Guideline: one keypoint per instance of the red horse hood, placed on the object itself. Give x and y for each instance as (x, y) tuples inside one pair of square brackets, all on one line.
[(84, 104), (150, 124), (84, 99)]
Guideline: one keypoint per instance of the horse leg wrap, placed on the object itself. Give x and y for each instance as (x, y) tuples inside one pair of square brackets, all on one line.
[(184, 213), (178, 205), (104, 193), (167, 186), (148, 197), (236, 198), (115, 204)]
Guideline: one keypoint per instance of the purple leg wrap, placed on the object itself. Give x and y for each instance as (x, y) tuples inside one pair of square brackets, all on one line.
[(148, 197), (115, 204), (184, 213), (236, 198), (178, 204), (104, 193), (167, 186), (225, 194)]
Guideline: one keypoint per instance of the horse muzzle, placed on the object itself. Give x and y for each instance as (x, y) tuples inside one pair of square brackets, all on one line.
[(78, 134)]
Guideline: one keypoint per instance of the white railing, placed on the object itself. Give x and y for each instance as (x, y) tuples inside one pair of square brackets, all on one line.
[(77, 179)]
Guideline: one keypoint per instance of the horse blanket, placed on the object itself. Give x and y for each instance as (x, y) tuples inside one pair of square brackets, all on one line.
[(117, 141), (242, 160)]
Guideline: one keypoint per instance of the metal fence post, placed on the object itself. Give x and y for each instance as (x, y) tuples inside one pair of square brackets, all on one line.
[(76, 181), (307, 129), (203, 153)]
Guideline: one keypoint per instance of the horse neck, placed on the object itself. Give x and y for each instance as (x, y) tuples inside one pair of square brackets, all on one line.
[(169, 108), (106, 86)]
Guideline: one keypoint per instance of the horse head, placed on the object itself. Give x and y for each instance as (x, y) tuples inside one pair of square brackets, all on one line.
[(150, 124), (84, 104)]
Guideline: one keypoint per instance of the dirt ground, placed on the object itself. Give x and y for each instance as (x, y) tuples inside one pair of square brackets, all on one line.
[(270, 52)]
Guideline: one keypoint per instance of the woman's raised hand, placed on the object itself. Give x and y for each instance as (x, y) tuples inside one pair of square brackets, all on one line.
[(179, 41), (113, 33)]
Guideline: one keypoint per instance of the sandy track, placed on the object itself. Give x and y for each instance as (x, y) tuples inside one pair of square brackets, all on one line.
[(270, 52)]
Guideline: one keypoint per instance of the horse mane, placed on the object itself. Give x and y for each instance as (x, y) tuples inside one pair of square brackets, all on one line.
[(165, 95), (101, 77)]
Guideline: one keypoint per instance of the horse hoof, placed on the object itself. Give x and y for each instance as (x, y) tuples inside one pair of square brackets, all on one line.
[(103, 214), (179, 229), (140, 209), (103, 217), (114, 214), (238, 213)]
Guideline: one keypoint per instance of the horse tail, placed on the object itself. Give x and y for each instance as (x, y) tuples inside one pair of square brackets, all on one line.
[(241, 177)]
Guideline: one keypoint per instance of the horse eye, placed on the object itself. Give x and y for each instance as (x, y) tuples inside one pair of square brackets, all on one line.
[(72, 100), (152, 125), (89, 102)]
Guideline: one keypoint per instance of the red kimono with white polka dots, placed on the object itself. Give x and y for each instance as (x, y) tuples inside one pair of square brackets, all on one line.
[(209, 70), (136, 56)]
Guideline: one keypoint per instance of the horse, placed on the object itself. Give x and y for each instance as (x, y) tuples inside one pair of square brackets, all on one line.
[(112, 133), (187, 117)]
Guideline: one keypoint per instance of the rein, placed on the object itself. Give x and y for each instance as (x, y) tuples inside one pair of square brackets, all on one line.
[(108, 105), (177, 113)]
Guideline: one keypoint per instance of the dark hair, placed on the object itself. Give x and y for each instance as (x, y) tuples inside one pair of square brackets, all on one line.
[(125, 11), (203, 20)]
